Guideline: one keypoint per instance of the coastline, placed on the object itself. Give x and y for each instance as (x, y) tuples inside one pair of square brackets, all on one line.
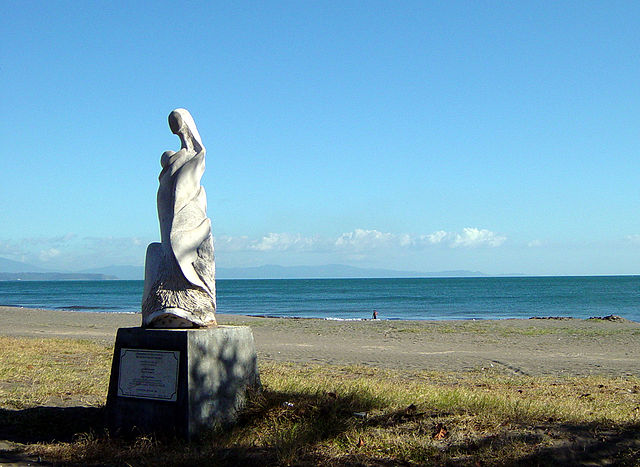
[(563, 347), (404, 299)]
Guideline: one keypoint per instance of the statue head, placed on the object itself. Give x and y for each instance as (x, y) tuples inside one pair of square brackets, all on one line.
[(182, 124)]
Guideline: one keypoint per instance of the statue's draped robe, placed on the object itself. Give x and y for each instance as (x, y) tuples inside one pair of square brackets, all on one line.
[(184, 224), (180, 271)]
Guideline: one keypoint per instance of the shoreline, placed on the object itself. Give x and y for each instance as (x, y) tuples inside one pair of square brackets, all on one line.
[(580, 297), (426, 320), (562, 347)]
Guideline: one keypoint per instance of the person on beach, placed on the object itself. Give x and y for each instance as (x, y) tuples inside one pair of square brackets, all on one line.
[(375, 314)]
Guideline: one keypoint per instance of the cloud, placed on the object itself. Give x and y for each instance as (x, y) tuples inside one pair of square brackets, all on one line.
[(228, 243), (633, 239), (535, 243), (436, 237), (70, 252), (361, 240), (470, 237), (113, 244), (270, 242), (282, 242), (27, 246), (46, 255), (33, 248)]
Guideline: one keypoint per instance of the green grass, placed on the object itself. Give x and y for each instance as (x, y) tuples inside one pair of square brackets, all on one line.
[(327, 415)]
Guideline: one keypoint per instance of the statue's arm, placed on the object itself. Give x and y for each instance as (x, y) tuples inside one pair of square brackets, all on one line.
[(177, 160)]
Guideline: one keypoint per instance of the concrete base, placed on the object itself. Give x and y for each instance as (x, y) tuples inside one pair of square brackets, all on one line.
[(179, 381)]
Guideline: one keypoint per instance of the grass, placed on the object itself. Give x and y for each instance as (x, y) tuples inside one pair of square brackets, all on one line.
[(52, 394), (37, 372), (585, 328)]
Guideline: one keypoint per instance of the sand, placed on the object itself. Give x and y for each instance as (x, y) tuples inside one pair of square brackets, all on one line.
[(570, 347)]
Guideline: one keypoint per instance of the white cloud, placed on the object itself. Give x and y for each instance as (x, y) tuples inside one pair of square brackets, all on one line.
[(46, 255), (270, 242), (634, 239), (227, 243), (470, 237), (436, 237), (361, 239), (70, 252), (535, 243), (282, 242), (405, 240), (34, 248)]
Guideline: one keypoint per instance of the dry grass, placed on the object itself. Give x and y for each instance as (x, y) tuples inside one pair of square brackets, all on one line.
[(327, 415), (41, 372)]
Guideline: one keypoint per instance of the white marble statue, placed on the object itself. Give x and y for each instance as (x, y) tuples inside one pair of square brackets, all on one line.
[(179, 282)]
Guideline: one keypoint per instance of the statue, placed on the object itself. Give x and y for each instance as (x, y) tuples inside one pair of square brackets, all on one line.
[(179, 279)]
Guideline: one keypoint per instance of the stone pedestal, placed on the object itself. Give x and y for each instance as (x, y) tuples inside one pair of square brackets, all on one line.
[(179, 381)]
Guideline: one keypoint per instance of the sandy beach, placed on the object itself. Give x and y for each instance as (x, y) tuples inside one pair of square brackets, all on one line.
[(567, 347)]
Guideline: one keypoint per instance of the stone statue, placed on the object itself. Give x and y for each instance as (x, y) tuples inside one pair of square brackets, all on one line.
[(179, 279)]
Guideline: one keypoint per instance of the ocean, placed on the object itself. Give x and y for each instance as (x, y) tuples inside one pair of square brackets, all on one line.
[(421, 299)]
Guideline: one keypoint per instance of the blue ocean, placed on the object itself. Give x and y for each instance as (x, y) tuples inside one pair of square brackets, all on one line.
[(416, 299)]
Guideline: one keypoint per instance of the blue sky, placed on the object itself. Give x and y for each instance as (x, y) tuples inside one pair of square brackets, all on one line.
[(493, 136)]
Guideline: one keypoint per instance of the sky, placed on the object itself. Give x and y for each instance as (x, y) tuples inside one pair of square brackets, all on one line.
[(492, 136)]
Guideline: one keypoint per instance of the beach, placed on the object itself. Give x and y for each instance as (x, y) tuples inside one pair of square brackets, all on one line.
[(563, 347)]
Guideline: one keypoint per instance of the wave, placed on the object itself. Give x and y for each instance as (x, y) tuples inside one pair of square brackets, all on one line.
[(348, 319), (107, 309)]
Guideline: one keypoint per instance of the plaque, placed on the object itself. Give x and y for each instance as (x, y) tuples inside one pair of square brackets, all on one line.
[(148, 374)]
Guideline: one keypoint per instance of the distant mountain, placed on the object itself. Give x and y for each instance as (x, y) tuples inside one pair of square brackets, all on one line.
[(9, 269), (129, 273), (330, 271), (53, 276), (8, 265), (15, 270)]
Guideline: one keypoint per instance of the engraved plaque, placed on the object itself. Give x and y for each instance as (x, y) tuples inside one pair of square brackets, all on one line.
[(148, 374)]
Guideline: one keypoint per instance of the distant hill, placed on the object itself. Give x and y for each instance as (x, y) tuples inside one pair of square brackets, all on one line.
[(128, 273), (8, 265), (330, 271), (53, 276), (15, 270)]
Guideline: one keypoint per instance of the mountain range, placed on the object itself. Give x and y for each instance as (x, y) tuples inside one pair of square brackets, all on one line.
[(15, 270), (329, 271)]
